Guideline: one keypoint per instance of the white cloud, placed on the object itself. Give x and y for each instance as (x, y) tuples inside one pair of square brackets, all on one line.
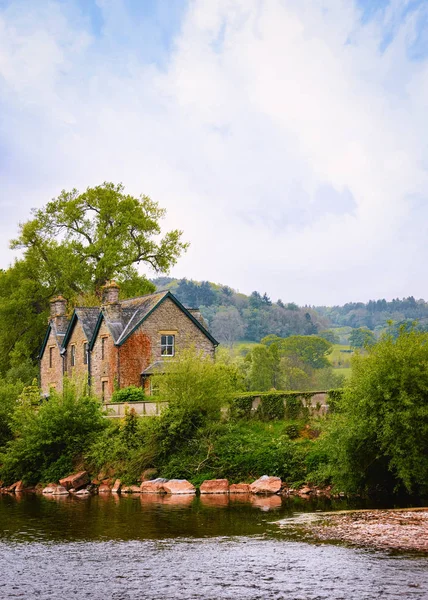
[(288, 147)]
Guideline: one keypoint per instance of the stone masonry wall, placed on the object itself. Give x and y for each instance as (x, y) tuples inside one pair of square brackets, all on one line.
[(104, 369), (77, 339), (51, 376), (168, 317)]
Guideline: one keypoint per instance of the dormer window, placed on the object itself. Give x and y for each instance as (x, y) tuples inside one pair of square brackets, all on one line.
[(167, 345)]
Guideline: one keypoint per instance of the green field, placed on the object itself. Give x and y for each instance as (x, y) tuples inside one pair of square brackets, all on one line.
[(340, 358)]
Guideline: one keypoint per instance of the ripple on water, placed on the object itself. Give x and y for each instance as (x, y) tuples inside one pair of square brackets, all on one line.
[(248, 567)]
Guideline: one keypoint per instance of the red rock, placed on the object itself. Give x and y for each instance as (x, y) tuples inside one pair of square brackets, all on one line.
[(215, 486), (75, 481), (266, 485), (155, 486), (82, 493), (104, 488), (305, 490), (239, 488), (60, 491), (179, 486), (116, 487), (14, 486), (130, 489), (50, 488)]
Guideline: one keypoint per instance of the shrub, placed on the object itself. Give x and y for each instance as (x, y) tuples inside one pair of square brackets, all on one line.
[(378, 436), (48, 439), (129, 394)]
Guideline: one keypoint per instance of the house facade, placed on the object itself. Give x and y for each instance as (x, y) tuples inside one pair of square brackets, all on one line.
[(119, 344)]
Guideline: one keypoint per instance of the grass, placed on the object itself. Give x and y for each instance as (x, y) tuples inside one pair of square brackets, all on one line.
[(340, 358)]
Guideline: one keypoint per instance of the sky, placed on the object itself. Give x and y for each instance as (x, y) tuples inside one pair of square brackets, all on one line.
[(286, 138)]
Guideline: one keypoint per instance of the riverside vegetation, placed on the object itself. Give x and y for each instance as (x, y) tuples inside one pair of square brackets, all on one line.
[(373, 440)]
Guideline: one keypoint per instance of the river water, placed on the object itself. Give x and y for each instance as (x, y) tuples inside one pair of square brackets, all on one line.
[(151, 547)]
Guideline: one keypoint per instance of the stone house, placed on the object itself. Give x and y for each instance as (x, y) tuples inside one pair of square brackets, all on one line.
[(119, 344)]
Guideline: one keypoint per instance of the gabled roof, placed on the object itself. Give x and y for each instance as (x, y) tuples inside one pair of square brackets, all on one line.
[(135, 311), (59, 337), (87, 316)]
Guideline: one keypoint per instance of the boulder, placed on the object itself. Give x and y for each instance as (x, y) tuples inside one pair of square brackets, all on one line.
[(155, 486), (82, 493), (179, 486), (305, 490), (75, 481), (239, 488), (50, 488), (215, 486), (15, 487), (60, 491), (104, 488), (130, 489), (116, 487), (266, 485)]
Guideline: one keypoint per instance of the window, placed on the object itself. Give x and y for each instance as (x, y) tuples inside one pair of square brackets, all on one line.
[(167, 345), (103, 347), (85, 353), (73, 356), (51, 351), (104, 390)]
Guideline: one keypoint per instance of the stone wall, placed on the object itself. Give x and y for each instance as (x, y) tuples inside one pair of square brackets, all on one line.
[(51, 377), (169, 318), (77, 339), (104, 369)]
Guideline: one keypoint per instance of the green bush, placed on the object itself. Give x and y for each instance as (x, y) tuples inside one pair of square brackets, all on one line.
[(377, 437), (129, 394), (48, 439)]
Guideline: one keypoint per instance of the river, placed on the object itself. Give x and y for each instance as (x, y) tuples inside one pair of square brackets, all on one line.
[(122, 548)]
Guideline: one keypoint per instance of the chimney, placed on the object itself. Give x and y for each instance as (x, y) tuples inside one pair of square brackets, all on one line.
[(111, 304), (58, 310)]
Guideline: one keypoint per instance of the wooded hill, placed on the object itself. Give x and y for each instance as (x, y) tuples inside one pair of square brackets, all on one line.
[(234, 316)]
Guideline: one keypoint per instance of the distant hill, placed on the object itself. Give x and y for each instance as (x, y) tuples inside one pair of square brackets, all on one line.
[(233, 316), (375, 314)]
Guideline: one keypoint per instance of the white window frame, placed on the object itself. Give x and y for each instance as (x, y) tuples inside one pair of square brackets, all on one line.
[(168, 344)]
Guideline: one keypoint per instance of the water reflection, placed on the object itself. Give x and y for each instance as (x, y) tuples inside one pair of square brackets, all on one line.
[(179, 547)]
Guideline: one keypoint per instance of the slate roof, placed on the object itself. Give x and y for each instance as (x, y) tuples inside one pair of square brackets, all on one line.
[(88, 317), (133, 312), (59, 337), (154, 368)]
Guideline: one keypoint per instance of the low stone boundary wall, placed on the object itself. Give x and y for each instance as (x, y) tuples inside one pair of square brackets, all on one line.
[(116, 410)]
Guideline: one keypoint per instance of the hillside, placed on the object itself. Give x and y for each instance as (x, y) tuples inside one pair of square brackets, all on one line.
[(234, 316)]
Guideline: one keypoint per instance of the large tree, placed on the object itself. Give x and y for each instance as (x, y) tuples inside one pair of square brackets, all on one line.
[(72, 246)]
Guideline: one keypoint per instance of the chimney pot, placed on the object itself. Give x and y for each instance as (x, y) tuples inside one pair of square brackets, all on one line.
[(58, 307), (111, 293)]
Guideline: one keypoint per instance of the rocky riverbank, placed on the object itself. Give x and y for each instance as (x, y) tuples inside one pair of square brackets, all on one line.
[(400, 529)]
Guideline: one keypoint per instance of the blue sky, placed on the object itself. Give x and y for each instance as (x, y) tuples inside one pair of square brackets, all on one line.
[(287, 138)]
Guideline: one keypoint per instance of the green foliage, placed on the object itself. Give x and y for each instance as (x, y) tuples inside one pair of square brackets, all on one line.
[(9, 394), (129, 394), (265, 371), (72, 246), (311, 350), (330, 336), (271, 407), (361, 338), (378, 436), (48, 439)]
